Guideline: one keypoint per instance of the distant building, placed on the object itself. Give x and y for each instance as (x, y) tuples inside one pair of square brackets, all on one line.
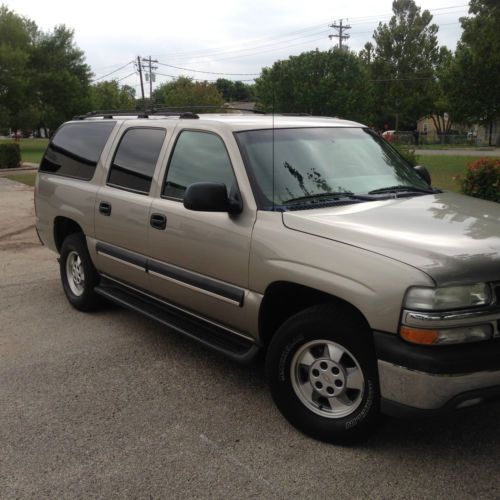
[(475, 133)]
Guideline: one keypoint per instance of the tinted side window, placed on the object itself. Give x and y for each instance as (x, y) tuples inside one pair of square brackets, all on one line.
[(135, 159), (76, 148), (197, 157)]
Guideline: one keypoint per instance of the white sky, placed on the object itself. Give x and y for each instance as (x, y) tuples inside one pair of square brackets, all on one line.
[(217, 35)]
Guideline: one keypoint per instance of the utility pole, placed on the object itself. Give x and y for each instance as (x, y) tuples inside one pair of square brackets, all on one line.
[(150, 75), (139, 67), (341, 35)]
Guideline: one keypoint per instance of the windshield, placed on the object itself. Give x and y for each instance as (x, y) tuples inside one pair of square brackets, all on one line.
[(315, 162)]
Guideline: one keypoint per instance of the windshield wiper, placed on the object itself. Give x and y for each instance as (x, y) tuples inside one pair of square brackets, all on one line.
[(411, 189), (324, 196)]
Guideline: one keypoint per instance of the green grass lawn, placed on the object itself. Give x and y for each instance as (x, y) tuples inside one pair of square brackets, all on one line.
[(28, 178), (444, 168), (455, 146), (31, 149)]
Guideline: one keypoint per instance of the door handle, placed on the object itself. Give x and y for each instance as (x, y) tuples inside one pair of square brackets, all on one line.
[(158, 221), (105, 208)]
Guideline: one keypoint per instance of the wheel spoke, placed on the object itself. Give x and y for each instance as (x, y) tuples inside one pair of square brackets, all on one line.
[(307, 390), (339, 402), (333, 352), (354, 378), (307, 359)]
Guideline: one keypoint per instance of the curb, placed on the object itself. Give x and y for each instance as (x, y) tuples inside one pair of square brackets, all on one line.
[(27, 167)]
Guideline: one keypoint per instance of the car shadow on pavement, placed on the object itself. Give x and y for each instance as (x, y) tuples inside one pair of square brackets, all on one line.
[(475, 428)]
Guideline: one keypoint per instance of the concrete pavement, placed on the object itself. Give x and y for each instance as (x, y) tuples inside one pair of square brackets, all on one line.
[(111, 404)]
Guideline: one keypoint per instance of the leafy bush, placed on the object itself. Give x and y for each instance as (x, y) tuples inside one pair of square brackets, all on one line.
[(482, 179), (408, 154), (10, 155)]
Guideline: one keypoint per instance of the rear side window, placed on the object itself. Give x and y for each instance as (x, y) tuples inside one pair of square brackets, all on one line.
[(76, 148), (135, 159), (197, 157)]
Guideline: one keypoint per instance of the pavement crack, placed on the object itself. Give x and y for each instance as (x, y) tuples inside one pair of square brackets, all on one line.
[(231, 458)]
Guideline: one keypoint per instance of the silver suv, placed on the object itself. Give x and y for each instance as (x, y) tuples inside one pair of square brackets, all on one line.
[(308, 239)]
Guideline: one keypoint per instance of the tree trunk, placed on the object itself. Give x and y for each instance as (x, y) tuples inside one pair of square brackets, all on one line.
[(437, 124), (397, 123), (491, 133)]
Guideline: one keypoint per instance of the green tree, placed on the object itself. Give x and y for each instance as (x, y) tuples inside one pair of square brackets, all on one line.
[(184, 92), (43, 76), (110, 95), (404, 62), (332, 83), (472, 83), (16, 38), (234, 91), (440, 103), (60, 78)]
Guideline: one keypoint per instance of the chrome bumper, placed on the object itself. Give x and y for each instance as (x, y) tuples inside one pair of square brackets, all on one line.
[(426, 391)]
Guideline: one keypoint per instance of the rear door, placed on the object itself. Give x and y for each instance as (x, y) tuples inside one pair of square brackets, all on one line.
[(123, 204)]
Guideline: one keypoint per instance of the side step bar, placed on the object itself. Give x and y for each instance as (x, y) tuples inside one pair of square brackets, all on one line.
[(223, 341)]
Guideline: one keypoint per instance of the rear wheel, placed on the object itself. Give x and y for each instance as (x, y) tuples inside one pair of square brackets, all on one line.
[(78, 274), (322, 372)]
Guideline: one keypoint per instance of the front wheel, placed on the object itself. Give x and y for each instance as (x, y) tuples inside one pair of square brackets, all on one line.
[(78, 274), (322, 373)]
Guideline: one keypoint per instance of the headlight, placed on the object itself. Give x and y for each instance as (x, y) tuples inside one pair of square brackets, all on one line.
[(449, 297)]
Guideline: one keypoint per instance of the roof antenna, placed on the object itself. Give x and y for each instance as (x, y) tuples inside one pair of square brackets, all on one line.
[(274, 102)]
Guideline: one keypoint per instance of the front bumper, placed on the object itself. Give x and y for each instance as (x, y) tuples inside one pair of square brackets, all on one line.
[(427, 380)]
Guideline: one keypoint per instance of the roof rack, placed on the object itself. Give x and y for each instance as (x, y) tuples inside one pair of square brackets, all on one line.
[(223, 107), (180, 111), (109, 114)]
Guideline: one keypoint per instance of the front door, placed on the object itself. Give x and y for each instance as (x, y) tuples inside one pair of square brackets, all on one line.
[(200, 259)]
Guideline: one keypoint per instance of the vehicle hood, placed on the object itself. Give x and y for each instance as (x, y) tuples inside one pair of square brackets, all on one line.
[(451, 237)]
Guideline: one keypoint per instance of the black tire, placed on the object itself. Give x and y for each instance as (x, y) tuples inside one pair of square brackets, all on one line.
[(303, 337), (85, 299)]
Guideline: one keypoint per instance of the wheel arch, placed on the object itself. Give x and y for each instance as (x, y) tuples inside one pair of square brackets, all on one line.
[(63, 227), (283, 299)]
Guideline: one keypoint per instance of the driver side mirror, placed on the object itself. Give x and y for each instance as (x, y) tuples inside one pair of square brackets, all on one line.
[(212, 197), (424, 173)]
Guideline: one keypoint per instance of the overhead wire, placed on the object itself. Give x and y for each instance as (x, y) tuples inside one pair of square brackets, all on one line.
[(207, 72), (280, 43), (112, 72)]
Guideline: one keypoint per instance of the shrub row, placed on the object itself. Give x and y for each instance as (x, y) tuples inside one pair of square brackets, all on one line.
[(10, 155)]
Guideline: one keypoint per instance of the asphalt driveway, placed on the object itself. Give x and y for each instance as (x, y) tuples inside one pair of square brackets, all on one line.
[(111, 404)]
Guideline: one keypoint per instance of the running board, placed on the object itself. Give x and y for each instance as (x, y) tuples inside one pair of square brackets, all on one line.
[(217, 338)]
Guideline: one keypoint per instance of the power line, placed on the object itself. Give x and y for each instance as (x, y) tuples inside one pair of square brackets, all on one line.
[(280, 43), (234, 53), (225, 49), (199, 79), (193, 54), (112, 72), (402, 79), (208, 72), (123, 78)]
